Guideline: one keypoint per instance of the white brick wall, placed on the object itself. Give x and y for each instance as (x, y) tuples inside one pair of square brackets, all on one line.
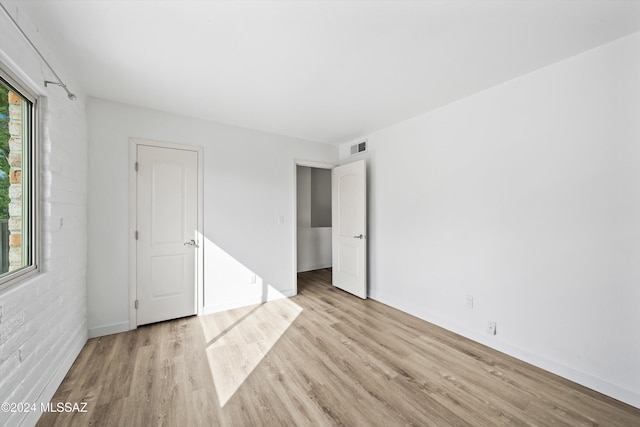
[(43, 320)]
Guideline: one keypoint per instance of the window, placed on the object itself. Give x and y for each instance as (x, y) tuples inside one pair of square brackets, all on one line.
[(18, 219)]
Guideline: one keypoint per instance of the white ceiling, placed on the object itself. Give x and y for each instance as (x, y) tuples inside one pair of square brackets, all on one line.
[(326, 71)]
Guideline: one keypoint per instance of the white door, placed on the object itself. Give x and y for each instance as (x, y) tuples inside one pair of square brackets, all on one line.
[(166, 223), (349, 227)]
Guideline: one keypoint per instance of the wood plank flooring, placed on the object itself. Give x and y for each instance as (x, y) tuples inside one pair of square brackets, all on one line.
[(322, 358)]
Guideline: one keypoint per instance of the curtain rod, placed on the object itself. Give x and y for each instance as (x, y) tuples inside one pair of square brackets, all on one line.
[(70, 95)]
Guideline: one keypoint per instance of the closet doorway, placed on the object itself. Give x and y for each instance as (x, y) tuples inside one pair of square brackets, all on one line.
[(313, 217)]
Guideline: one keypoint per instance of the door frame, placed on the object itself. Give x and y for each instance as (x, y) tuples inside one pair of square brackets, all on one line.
[(294, 222), (133, 210)]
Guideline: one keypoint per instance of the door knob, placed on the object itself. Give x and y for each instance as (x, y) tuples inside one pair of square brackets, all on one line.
[(191, 243), (359, 236)]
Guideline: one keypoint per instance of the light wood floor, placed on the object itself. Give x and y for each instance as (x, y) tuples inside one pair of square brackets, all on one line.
[(320, 358)]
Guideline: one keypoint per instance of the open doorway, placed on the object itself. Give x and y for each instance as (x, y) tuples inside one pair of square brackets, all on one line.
[(336, 236), (313, 218)]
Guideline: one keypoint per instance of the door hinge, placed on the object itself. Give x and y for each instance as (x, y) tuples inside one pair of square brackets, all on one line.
[(136, 304), (136, 167), (136, 234)]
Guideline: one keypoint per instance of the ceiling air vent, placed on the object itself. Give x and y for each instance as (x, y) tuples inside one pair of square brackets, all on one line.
[(358, 148)]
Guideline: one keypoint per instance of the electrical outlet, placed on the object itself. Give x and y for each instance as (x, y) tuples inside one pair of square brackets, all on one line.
[(252, 278), (469, 301), (491, 328)]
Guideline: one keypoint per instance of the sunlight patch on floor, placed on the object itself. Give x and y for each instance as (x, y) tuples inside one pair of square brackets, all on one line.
[(237, 340)]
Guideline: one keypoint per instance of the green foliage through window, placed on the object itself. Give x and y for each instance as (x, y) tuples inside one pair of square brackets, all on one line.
[(17, 183), (4, 152)]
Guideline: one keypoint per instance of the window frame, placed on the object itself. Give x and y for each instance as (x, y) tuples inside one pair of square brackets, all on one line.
[(14, 83)]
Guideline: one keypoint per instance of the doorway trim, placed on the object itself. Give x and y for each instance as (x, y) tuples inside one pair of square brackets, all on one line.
[(294, 222), (133, 207)]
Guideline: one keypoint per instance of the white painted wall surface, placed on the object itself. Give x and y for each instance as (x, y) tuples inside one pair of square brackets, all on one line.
[(527, 197), (314, 243), (43, 322), (248, 188)]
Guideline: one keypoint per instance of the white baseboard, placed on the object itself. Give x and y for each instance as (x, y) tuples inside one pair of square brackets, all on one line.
[(630, 397), (313, 267), (101, 331), (230, 305)]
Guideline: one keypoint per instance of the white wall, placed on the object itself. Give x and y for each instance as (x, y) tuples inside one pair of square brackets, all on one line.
[(43, 320), (314, 243), (527, 197), (249, 183)]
